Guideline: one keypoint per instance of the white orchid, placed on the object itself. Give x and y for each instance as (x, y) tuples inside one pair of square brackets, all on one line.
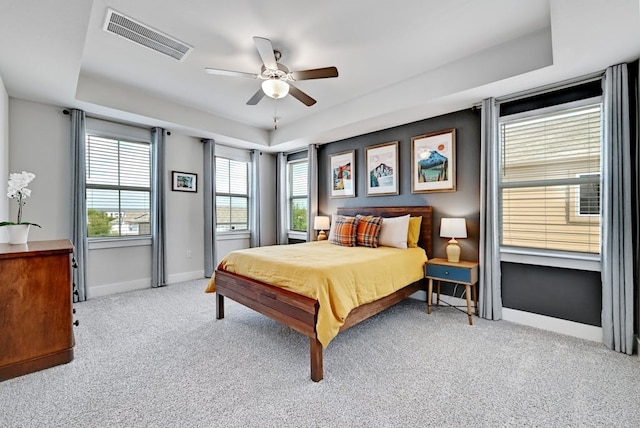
[(18, 182)]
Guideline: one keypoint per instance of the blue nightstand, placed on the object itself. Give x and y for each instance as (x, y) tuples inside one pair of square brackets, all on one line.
[(460, 273)]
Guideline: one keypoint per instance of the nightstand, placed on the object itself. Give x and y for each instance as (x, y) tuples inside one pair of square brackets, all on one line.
[(460, 273)]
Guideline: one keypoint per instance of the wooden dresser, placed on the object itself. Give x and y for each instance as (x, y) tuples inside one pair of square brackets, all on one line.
[(35, 306)]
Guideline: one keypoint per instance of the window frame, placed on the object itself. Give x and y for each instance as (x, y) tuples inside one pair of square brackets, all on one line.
[(540, 256), (233, 231), (294, 233), (128, 134)]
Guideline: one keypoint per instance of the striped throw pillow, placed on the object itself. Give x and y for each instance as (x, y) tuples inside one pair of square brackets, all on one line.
[(368, 230), (345, 231)]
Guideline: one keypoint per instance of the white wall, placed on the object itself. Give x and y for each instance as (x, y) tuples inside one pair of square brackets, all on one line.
[(36, 136), (39, 143), (185, 211), (4, 156)]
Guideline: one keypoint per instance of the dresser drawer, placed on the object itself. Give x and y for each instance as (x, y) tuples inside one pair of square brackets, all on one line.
[(449, 273)]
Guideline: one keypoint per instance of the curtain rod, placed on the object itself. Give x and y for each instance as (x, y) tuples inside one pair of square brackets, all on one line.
[(135, 125)]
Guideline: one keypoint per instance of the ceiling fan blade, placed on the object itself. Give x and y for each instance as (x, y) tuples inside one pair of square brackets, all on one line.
[(301, 96), (316, 73), (265, 49), (255, 99), (220, 72)]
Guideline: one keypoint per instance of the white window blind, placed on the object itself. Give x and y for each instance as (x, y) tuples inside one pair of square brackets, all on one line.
[(118, 187), (550, 180), (232, 195), (298, 185)]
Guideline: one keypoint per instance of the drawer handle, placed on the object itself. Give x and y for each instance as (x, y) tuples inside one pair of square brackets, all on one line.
[(76, 323), (446, 272)]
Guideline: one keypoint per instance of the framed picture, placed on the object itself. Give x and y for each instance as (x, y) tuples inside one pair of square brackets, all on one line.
[(342, 174), (184, 181), (382, 169), (433, 162)]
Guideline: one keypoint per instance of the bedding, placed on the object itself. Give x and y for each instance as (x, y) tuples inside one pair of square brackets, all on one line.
[(340, 278)]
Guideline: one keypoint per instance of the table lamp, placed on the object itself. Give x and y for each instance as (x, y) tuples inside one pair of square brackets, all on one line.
[(321, 223), (453, 228)]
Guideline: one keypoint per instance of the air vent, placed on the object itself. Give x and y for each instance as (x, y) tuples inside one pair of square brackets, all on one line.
[(141, 34)]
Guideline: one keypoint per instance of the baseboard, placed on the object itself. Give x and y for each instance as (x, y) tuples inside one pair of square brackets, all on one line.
[(139, 284), (185, 276), (118, 287), (557, 325)]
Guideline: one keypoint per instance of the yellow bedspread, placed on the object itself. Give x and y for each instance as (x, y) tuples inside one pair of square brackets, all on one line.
[(340, 278)]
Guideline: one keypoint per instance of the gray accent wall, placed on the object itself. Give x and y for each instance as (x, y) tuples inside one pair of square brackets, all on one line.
[(464, 202), (561, 293)]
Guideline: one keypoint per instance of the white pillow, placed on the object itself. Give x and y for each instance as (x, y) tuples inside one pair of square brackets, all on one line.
[(393, 232)]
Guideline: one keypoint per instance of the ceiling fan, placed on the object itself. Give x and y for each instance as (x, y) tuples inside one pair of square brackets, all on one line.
[(276, 78)]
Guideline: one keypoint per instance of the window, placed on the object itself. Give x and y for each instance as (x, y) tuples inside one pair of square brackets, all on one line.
[(298, 179), (118, 187), (550, 179), (232, 195)]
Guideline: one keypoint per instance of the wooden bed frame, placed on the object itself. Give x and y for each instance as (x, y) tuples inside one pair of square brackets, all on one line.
[(301, 312)]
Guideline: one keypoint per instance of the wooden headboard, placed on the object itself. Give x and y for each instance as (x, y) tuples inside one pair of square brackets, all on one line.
[(425, 212)]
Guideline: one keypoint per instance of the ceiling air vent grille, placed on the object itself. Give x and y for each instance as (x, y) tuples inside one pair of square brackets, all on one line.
[(141, 34)]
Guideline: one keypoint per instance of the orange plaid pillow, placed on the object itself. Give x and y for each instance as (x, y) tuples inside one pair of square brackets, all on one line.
[(345, 231), (368, 230)]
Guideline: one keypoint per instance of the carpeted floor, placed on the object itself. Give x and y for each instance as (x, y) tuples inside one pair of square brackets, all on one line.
[(159, 358)]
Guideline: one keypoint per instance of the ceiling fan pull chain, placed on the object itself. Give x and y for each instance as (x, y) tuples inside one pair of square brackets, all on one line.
[(275, 113)]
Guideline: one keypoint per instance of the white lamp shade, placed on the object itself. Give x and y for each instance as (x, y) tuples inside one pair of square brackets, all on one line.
[(321, 223), (453, 228), (275, 88)]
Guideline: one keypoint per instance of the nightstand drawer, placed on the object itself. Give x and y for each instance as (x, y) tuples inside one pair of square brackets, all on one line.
[(449, 273)]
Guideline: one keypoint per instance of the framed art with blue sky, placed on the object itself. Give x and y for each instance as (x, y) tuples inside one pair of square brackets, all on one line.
[(433, 162), (382, 169)]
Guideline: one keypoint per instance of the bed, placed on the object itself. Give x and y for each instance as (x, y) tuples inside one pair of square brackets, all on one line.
[(301, 312)]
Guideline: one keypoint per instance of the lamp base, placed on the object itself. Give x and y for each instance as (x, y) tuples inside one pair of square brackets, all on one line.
[(322, 236), (453, 251)]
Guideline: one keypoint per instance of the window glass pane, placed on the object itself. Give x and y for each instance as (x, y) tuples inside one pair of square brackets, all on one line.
[(298, 188), (550, 172), (299, 178), (298, 218), (113, 168), (102, 161), (232, 195), (135, 164), (222, 175)]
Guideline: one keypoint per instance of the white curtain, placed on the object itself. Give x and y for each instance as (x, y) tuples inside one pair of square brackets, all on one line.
[(79, 204), (254, 215), (282, 236), (490, 295), (158, 209), (312, 195), (617, 224), (209, 192)]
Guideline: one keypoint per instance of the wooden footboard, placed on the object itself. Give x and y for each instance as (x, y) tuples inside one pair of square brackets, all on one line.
[(294, 310), (301, 312)]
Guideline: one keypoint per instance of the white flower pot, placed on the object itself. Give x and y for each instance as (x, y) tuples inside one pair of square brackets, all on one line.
[(18, 233)]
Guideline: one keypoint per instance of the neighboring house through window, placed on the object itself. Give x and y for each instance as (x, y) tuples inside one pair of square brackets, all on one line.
[(550, 178)]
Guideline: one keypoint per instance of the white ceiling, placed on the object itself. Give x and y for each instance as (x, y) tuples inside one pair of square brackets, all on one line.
[(399, 61)]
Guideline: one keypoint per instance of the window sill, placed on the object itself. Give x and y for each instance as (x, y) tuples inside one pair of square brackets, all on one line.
[(101, 243), (297, 235), (228, 236), (567, 260)]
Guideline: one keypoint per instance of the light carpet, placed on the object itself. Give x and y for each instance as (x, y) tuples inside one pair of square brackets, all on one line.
[(159, 358)]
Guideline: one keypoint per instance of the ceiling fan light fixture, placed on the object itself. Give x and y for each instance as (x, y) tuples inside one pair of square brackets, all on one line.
[(275, 88)]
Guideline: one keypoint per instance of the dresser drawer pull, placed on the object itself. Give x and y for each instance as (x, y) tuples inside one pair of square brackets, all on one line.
[(446, 272), (76, 323)]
